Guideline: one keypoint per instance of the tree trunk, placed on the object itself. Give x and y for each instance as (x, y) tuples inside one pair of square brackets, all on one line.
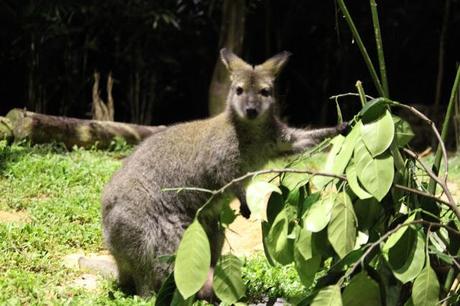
[(40, 128), (231, 37)]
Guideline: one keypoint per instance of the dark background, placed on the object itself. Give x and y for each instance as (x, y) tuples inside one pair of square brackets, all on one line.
[(162, 54)]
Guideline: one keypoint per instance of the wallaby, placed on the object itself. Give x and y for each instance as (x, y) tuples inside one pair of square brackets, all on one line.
[(141, 222)]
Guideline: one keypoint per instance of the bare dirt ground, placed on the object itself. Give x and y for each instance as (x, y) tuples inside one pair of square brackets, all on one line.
[(14, 217)]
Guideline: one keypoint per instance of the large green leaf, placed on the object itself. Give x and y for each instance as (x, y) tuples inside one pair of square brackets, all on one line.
[(319, 214), (394, 238), (337, 142), (407, 256), (362, 290), (403, 131), (425, 291), (166, 292), (377, 135), (303, 243), (192, 260), (306, 268), (375, 174), (344, 156), (368, 212), (341, 231), (328, 296), (257, 196), (227, 283), (352, 179), (278, 243), (373, 109)]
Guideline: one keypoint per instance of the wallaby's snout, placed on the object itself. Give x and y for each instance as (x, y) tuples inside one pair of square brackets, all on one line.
[(251, 112)]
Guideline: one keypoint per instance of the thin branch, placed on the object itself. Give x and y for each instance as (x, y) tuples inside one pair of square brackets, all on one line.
[(453, 206), (421, 193), (433, 127), (349, 94), (252, 174), (221, 190)]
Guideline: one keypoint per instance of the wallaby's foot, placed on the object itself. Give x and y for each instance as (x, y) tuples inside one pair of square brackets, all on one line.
[(206, 292)]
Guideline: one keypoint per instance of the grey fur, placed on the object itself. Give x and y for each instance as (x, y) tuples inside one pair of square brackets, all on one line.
[(141, 223)]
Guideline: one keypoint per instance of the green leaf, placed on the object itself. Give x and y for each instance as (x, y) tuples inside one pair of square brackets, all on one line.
[(341, 231), (375, 174), (306, 268), (337, 143), (280, 247), (373, 110), (403, 131), (227, 283), (352, 179), (275, 204), (265, 230), (378, 135), (362, 290), (257, 196), (407, 256), (308, 201), (344, 156), (328, 296), (425, 291), (166, 292), (178, 300), (227, 214), (394, 238), (192, 260), (368, 212), (303, 244), (319, 214)]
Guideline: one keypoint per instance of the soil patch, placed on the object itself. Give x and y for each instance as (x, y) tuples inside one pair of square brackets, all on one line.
[(14, 217)]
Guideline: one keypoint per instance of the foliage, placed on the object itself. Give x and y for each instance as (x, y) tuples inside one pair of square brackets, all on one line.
[(370, 174)]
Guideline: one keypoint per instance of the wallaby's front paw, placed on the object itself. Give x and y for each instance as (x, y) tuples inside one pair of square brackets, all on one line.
[(244, 210), (344, 128)]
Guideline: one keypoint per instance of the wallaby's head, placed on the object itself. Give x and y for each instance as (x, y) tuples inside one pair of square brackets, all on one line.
[(251, 94)]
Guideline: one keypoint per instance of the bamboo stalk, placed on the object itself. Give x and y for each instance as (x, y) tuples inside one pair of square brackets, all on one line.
[(361, 47), (379, 43)]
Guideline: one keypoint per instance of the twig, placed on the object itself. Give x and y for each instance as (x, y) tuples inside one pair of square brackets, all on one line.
[(431, 124), (252, 174), (362, 95), (298, 171), (361, 47), (360, 261), (421, 193), (453, 206), (349, 94)]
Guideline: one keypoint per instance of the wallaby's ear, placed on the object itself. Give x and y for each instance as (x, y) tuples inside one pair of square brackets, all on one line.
[(275, 64), (232, 61)]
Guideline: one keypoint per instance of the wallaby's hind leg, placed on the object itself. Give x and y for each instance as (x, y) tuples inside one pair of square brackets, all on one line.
[(216, 238), (126, 281)]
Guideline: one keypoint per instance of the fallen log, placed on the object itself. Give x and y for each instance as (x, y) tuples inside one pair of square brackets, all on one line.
[(40, 128)]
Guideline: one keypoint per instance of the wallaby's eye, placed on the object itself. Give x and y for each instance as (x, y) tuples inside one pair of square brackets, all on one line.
[(239, 90), (265, 92)]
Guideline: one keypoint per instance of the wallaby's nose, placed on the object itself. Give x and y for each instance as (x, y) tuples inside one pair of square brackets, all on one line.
[(251, 112)]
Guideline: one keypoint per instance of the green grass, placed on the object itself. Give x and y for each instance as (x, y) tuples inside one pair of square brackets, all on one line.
[(59, 190)]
